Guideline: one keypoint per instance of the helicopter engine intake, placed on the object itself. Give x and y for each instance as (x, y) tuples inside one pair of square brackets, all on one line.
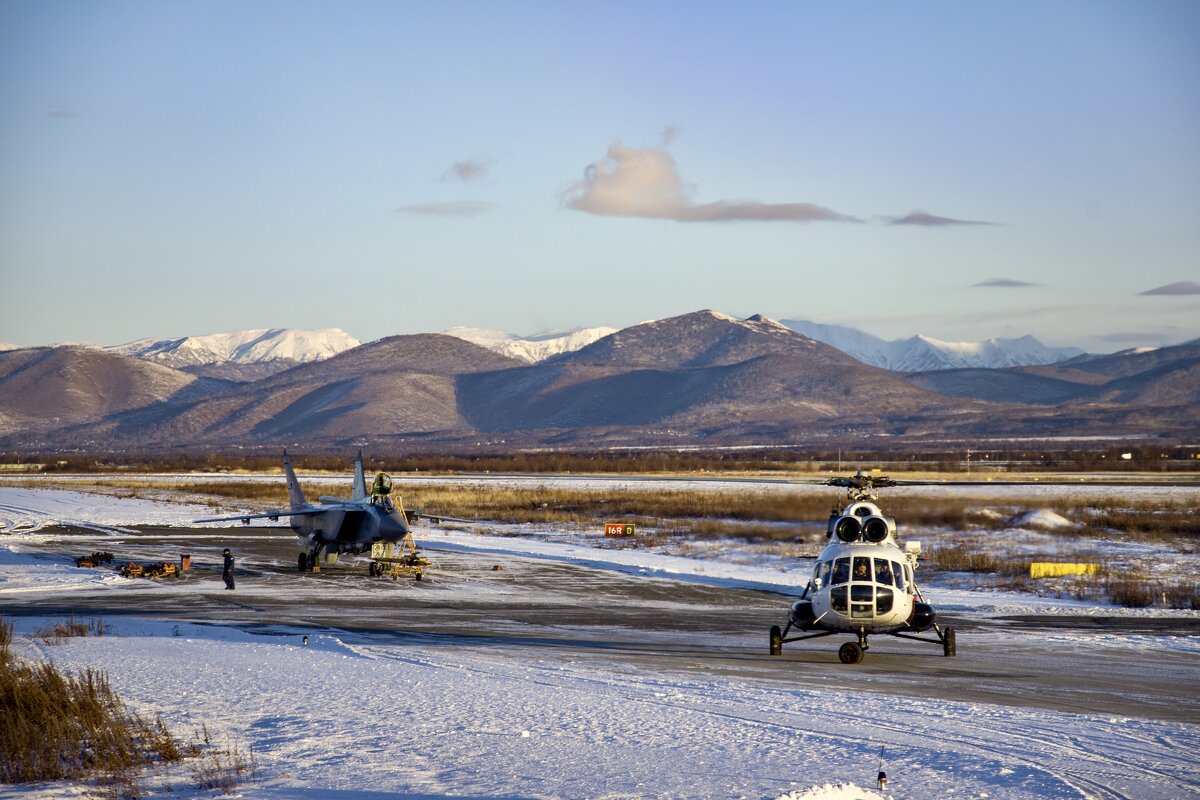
[(875, 529), (848, 529)]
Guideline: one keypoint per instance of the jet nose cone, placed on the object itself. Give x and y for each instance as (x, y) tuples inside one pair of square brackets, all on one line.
[(393, 527)]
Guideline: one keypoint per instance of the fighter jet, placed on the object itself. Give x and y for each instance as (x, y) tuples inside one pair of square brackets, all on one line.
[(339, 525)]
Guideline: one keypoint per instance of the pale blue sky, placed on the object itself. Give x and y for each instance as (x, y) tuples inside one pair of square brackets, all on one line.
[(177, 168)]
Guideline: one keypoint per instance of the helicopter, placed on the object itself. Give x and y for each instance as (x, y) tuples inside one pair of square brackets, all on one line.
[(345, 525), (864, 582)]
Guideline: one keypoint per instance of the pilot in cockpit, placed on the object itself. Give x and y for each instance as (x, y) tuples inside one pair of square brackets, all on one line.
[(380, 490)]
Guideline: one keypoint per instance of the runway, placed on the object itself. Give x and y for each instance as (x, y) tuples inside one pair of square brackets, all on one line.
[(527, 609)]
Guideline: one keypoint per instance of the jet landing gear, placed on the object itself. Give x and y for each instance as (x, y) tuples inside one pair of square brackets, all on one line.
[(309, 562)]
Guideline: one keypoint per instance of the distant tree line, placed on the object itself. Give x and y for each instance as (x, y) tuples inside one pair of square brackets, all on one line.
[(992, 460)]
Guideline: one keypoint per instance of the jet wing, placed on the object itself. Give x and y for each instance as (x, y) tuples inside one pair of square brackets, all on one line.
[(274, 515), (414, 515)]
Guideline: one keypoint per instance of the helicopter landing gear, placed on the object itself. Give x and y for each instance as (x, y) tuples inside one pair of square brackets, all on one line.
[(850, 653), (948, 645), (776, 641)]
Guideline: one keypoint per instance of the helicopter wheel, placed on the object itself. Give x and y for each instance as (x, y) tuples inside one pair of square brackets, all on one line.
[(948, 646), (776, 641), (302, 562), (850, 653)]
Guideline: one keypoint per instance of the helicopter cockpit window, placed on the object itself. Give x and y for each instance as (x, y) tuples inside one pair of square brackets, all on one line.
[(862, 568), (898, 571), (884, 599), (883, 572), (841, 571), (862, 598), (837, 599), (821, 574)]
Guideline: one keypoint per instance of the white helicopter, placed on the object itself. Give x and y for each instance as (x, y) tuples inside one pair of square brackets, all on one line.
[(863, 582)]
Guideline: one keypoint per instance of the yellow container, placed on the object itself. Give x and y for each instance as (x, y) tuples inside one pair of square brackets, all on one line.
[(1053, 569)]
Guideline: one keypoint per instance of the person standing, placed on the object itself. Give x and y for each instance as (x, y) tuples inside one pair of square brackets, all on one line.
[(227, 573)]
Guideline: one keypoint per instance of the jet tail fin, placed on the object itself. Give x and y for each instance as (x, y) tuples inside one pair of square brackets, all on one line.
[(360, 480), (293, 485)]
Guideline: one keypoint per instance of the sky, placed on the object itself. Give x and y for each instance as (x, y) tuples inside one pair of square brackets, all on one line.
[(959, 170)]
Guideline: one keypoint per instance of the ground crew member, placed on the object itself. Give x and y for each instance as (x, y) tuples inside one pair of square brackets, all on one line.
[(227, 573)]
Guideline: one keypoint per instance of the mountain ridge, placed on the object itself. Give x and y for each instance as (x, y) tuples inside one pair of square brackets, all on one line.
[(921, 353), (251, 346), (699, 379)]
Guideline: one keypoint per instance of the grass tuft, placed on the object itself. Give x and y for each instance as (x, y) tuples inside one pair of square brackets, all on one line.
[(223, 769), (56, 727)]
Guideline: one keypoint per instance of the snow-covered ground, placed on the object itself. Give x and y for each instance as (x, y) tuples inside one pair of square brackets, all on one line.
[(412, 717)]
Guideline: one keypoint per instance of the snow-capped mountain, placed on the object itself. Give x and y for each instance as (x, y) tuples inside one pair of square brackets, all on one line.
[(242, 347), (532, 349), (923, 353)]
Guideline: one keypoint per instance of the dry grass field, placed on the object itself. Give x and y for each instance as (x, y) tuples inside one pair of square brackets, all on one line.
[(972, 541)]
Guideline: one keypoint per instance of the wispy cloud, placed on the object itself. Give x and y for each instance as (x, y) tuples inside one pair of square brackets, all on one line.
[(1003, 283), (468, 171), (459, 208), (924, 218), (1176, 289), (632, 182)]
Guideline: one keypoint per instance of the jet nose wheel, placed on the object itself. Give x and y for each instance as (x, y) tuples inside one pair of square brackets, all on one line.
[(850, 653), (776, 641), (302, 562)]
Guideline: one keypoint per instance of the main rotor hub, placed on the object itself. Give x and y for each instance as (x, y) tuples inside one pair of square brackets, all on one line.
[(861, 486)]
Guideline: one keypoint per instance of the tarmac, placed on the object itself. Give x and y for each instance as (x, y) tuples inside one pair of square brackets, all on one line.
[(529, 609)]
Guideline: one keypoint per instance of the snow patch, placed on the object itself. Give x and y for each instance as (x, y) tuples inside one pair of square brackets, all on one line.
[(253, 346), (842, 791), (531, 349), (922, 353), (1042, 518)]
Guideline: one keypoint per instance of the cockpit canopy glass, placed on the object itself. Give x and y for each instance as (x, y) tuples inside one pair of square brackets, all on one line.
[(861, 569)]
